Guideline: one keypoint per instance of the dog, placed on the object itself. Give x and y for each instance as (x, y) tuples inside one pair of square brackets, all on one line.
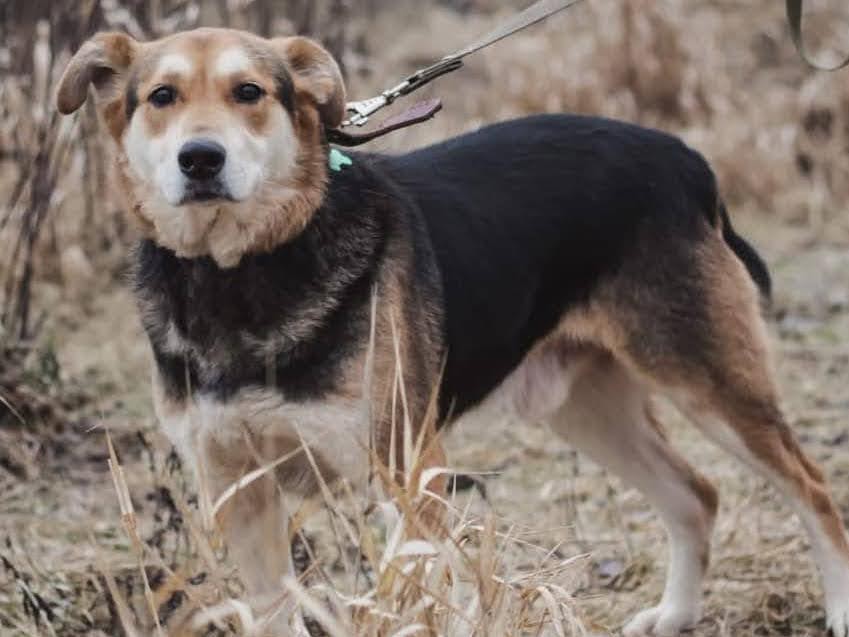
[(566, 267)]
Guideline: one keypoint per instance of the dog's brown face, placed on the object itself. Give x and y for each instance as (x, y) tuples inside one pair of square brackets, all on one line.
[(219, 133)]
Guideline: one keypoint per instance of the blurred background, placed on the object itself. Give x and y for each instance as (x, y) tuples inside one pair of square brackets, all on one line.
[(722, 74)]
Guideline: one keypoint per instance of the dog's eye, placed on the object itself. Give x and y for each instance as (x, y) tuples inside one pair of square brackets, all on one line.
[(163, 96), (248, 93)]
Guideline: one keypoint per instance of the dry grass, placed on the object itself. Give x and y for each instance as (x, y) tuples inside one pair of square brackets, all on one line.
[(369, 567), (402, 571), (721, 74)]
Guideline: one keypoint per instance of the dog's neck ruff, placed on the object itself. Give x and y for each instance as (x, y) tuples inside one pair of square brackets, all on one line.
[(220, 327)]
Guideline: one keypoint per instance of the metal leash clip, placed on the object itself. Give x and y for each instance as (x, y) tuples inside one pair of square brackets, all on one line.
[(361, 111)]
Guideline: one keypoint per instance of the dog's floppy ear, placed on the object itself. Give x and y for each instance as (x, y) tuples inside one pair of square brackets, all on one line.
[(98, 63), (317, 73)]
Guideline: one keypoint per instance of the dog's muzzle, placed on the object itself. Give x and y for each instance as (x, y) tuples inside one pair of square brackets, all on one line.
[(201, 161)]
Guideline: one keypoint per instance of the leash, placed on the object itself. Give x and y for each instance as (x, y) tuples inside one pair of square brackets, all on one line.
[(360, 112), (794, 17)]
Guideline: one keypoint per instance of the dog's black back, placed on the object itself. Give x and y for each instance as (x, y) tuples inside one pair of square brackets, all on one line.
[(526, 216)]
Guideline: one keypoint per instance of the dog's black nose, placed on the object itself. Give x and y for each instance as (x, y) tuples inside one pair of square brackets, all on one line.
[(201, 158)]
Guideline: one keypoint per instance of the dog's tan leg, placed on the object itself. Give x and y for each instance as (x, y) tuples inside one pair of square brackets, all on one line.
[(756, 433), (705, 344), (255, 526), (607, 416), (739, 410)]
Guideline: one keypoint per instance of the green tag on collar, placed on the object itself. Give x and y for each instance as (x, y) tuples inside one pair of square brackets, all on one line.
[(337, 159)]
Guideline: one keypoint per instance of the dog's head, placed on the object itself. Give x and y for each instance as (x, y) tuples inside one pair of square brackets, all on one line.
[(219, 133)]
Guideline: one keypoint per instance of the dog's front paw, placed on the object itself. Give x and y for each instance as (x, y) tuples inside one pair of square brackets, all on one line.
[(837, 618), (663, 620)]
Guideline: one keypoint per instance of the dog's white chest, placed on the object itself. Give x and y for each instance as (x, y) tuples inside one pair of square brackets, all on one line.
[(259, 426)]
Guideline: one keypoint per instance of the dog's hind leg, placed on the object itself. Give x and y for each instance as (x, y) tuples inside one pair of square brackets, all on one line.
[(753, 429), (687, 322), (736, 405), (608, 416)]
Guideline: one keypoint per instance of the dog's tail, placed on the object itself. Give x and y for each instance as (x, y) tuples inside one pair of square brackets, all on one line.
[(747, 254)]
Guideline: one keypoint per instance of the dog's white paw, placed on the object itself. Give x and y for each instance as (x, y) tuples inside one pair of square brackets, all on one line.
[(837, 618), (663, 620)]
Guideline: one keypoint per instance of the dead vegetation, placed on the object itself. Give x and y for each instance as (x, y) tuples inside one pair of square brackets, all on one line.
[(587, 553)]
